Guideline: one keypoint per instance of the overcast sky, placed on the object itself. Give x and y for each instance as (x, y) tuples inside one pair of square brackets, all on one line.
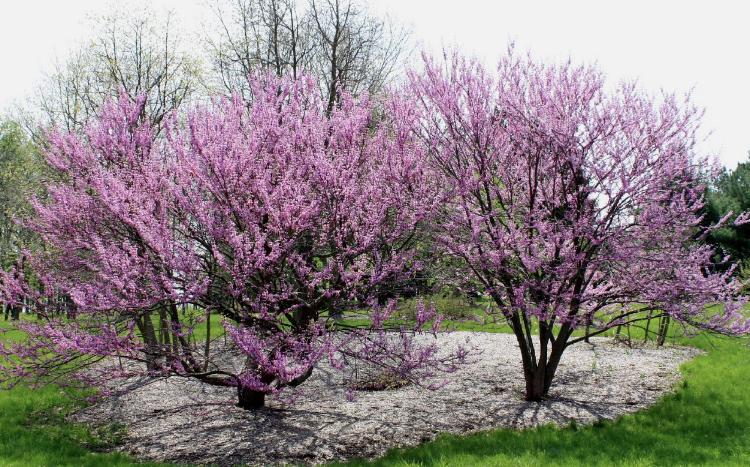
[(670, 45)]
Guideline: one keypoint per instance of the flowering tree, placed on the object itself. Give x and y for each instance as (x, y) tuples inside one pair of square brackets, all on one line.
[(271, 214), (574, 206)]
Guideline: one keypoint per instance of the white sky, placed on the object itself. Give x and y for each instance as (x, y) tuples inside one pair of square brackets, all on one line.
[(670, 45)]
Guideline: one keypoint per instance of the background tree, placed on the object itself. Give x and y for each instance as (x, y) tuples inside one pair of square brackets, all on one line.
[(573, 206), (252, 35), (21, 171), (337, 41), (139, 53), (20, 176), (730, 194), (356, 51)]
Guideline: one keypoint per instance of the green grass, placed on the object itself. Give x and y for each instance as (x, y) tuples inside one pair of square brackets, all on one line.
[(195, 318), (34, 432), (707, 422), (459, 315)]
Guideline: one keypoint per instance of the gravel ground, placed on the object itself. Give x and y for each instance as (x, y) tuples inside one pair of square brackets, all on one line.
[(184, 421)]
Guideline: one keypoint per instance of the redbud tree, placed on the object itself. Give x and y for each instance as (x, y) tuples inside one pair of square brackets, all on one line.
[(271, 214), (575, 204)]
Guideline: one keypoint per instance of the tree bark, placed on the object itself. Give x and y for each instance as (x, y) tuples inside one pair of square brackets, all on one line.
[(148, 334), (14, 311), (539, 379), (648, 326), (249, 399), (535, 384), (663, 330)]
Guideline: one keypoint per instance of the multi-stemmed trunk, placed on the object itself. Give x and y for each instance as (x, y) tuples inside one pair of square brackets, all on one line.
[(539, 378), (539, 371), (539, 364), (12, 311), (166, 343)]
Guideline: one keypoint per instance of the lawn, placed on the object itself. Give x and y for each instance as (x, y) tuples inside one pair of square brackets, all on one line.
[(707, 422), (33, 431)]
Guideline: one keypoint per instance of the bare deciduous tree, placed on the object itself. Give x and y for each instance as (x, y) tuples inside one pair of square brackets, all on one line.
[(337, 41), (136, 53), (356, 51), (258, 34)]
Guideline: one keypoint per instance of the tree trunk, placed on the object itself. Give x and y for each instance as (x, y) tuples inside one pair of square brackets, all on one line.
[(663, 329), (535, 391), (539, 379), (586, 333), (249, 399), (207, 344), (538, 371), (151, 343), (14, 311), (648, 326), (164, 330), (630, 339)]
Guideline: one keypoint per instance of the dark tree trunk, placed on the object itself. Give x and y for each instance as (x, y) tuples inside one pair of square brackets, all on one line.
[(539, 379), (630, 338), (163, 335), (538, 369), (15, 312), (249, 399), (535, 391), (586, 333)]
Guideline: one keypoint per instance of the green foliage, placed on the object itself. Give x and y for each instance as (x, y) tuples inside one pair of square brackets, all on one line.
[(20, 173), (731, 192), (454, 307)]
